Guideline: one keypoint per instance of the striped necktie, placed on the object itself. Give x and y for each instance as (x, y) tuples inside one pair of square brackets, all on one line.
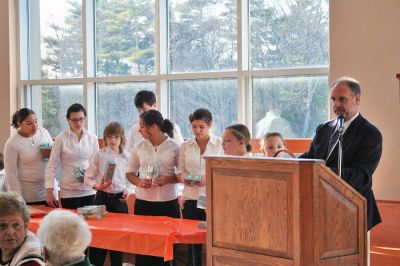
[(333, 140)]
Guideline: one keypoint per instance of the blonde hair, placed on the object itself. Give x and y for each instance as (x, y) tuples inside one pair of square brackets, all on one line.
[(241, 132), (116, 129), (270, 135)]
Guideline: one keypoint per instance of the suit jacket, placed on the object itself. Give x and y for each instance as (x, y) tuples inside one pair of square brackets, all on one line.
[(362, 149)]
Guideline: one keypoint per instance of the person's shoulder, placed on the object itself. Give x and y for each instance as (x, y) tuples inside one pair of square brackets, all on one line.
[(215, 140), (12, 139), (369, 129), (62, 135), (172, 143), (44, 130), (141, 144), (188, 142), (90, 135), (325, 125)]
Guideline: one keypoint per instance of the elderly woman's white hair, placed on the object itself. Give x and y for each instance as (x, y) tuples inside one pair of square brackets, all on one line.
[(64, 237)]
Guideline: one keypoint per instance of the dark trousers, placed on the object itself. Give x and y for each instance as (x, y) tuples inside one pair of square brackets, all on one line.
[(75, 203), (37, 203), (149, 208), (190, 211), (113, 204)]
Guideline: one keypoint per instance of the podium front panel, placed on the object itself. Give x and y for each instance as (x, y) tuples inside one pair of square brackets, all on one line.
[(281, 212)]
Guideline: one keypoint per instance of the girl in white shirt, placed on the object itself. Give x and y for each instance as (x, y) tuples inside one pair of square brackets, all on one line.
[(3, 183), (71, 152), (192, 166), (236, 140), (155, 159), (23, 159), (106, 174)]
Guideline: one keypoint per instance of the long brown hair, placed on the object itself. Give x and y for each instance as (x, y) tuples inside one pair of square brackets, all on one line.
[(116, 129)]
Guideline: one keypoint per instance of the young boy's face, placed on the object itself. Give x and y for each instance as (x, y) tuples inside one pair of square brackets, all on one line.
[(272, 145), (146, 107), (113, 142)]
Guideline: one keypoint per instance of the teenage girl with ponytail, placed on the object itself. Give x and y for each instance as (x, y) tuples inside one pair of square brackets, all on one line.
[(152, 169)]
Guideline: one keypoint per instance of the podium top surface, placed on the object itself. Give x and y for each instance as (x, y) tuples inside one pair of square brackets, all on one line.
[(258, 157)]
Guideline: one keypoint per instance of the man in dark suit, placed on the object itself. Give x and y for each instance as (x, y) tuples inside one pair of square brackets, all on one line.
[(362, 144)]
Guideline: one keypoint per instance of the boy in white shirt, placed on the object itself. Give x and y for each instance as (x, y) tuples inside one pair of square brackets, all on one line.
[(146, 100), (106, 174)]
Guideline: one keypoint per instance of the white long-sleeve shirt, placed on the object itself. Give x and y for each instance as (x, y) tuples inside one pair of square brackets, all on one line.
[(97, 170), (135, 137), (165, 157), (24, 165), (192, 162), (70, 153)]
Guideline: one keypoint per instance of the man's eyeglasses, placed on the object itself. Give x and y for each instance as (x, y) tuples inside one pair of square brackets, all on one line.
[(76, 120)]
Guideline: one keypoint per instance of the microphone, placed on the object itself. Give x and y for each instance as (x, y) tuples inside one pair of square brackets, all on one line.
[(340, 121)]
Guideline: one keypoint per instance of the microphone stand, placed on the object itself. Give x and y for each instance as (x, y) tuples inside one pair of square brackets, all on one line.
[(340, 152)]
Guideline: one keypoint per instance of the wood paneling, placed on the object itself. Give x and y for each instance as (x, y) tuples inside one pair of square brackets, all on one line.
[(264, 211)]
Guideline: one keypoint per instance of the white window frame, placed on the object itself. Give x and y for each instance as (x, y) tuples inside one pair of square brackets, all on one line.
[(161, 77)]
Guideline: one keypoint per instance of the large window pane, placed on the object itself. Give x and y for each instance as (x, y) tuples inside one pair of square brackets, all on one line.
[(293, 106), (292, 33), (115, 102), (218, 96), (202, 35), (124, 37), (61, 40), (51, 103)]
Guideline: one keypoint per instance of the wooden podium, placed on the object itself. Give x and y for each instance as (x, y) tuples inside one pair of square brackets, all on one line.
[(282, 212)]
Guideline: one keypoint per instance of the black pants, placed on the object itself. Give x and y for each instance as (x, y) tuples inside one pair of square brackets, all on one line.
[(37, 203), (75, 203), (190, 211), (113, 204), (149, 208)]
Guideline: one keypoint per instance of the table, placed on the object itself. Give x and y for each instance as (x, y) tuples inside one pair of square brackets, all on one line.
[(146, 235)]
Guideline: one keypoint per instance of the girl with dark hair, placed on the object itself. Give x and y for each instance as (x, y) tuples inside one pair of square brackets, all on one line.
[(236, 140), (23, 158), (191, 170), (71, 152), (152, 169)]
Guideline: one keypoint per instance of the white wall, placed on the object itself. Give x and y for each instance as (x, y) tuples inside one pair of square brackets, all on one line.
[(365, 44), (8, 74)]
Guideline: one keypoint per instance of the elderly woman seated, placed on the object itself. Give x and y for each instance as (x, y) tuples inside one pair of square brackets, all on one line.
[(64, 237), (18, 246)]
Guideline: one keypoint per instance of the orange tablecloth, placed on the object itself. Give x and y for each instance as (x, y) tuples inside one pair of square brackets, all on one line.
[(147, 235)]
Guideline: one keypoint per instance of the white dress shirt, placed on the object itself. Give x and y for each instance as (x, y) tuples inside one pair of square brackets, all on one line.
[(70, 153), (135, 137), (164, 157), (97, 170), (24, 165), (192, 162)]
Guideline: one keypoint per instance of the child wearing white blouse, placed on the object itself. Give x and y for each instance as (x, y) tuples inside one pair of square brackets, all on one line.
[(155, 159), (191, 171), (106, 174), (23, 160), (71, 152)]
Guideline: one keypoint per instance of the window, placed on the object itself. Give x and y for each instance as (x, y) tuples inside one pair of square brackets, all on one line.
[(246, 61), (286, 34), (293, 106), (115, 102), (217, 95), (202, 35), (124, 37), (51, 102)]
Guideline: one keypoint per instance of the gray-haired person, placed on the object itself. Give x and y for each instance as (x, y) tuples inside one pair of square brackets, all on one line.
[(64, 237)]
